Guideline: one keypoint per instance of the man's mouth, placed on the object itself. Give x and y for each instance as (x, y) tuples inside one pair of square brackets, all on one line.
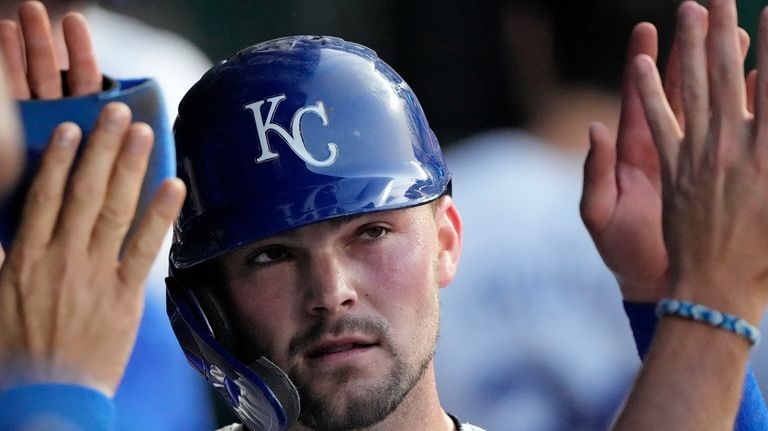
[(337, 347)]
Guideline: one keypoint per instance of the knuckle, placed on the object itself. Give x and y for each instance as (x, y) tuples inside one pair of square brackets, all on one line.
[(590, 219), (45, 87), (723, 72), (143, 249), (42, 195), (85, 190), (69, 267), (16, 273), (19, 264), (115, 217), (133, 165), (591, 215)]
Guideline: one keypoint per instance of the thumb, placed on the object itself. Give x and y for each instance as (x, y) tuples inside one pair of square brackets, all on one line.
[(599, 193)]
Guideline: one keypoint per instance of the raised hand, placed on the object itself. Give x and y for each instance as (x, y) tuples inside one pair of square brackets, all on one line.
[(714, 177), (70, 300), (621, 201), (715, 172), (69, 307), (31, 65)]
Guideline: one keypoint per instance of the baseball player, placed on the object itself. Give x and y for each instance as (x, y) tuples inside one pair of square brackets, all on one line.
[(319, 228)]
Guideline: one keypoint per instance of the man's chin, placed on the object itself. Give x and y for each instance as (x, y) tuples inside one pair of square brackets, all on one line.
[(349, 400), (348, 395), (346, 411)]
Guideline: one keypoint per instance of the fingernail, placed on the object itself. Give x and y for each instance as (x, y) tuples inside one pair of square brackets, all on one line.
[(171, 193), (137, 141), (115, 117), (67, 135)]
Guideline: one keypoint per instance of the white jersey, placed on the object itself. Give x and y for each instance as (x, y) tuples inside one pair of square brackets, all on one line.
[(238, 427), (469, 427)]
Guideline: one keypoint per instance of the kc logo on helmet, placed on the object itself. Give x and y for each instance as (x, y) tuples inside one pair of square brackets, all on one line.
[(294, 138)]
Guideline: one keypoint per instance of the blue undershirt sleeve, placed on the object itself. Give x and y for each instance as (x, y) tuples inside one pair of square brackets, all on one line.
[(56, 407), (753, 413)]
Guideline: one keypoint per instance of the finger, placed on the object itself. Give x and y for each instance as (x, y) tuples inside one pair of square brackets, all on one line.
[(142, 248), (672, 79), (744, 42), (43, 201), (43, 72), (750, 80), (83, 76), (692, 28), (599, 193), (13, 57), (89, 182), (123, 193), (751, 83), (726, 74), (633, 129), (661, 119)]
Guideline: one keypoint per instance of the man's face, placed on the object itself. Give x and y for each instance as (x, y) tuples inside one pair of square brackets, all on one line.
[(348, 308)]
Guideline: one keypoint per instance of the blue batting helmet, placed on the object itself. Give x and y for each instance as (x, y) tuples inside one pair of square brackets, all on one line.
[(286, 133)]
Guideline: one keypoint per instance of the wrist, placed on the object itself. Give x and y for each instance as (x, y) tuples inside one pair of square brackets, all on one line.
[(649, 291), (727, 297), (710, 317), (23, 372)]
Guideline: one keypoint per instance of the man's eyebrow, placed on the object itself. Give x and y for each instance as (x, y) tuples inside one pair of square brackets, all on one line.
[(338, 222), (334, 222)]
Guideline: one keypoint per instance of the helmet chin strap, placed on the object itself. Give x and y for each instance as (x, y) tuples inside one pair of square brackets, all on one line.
[(281, 385)]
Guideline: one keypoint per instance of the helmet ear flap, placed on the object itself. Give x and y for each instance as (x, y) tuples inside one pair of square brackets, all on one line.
[(213, 313), (259, 392), (209, 309)]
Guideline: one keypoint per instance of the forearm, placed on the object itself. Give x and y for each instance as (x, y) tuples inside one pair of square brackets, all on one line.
[(753, 412), (693, 369)]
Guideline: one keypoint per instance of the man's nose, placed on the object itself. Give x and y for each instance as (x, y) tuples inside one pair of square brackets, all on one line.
[(330, 286)]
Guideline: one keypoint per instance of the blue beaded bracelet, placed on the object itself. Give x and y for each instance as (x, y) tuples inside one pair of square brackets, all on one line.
[(714, 318)]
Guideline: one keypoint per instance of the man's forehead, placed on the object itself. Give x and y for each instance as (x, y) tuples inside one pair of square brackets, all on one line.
[(339, 223)]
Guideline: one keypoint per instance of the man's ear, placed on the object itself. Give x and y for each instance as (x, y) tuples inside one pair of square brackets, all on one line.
[(449, 230)]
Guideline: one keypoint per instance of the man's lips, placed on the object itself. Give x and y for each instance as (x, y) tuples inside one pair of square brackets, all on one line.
[(339, 345)]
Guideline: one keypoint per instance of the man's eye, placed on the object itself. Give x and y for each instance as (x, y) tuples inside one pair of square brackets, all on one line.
[(271, 255), (374, 232)]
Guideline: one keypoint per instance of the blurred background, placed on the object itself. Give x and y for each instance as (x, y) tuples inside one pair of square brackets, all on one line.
[(533, 334)]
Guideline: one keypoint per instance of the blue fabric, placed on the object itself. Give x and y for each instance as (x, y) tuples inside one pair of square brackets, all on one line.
[(753, 413), (56, 406), (40, 117)]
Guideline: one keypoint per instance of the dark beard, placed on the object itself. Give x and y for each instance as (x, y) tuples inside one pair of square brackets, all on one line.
[(364, 409)]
